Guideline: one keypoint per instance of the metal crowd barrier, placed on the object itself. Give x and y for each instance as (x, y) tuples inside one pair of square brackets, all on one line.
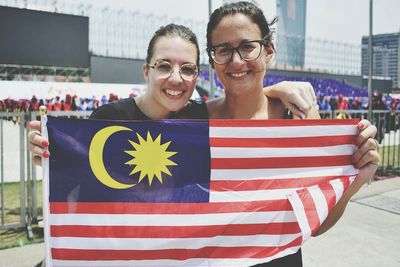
[(387, 122), (13, 152)]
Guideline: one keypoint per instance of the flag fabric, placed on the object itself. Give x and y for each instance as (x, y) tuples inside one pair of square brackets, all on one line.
[(190, 193)]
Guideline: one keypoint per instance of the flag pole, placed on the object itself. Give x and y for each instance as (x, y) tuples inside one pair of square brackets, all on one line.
[(45, 177)]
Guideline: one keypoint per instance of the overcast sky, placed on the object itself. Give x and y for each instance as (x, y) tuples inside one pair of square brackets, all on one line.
[(336, 20)]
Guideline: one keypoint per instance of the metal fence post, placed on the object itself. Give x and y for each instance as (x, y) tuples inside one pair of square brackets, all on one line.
[(22, 168), (32, 175), (3, 215)]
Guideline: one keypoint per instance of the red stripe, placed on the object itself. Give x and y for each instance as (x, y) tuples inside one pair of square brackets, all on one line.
[(269, 123), (170, 254), (280, 162), (310, 210), (265, 184), (167, 208), (173, 231), (346, 183), (329, 193), (314, 141)]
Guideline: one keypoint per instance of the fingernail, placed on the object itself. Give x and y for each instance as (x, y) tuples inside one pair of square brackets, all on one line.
[(360, 126), (45, 143), (302, 116), (46, 154)]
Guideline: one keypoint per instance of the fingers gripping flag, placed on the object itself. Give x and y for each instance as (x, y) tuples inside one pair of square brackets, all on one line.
[(190, 193)]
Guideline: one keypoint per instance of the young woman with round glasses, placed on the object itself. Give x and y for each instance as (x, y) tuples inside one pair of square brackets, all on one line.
[(240, 49)]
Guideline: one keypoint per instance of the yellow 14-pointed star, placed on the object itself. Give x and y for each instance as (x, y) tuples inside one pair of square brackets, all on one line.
[(150, 157)]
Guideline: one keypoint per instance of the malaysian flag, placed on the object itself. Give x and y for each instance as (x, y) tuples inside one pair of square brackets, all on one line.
[(190, 193)]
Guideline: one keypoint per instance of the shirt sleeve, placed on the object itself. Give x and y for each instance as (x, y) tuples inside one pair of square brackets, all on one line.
[(105, 112)]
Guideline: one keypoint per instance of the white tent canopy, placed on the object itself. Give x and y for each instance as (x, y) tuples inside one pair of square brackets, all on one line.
[(46, 90)]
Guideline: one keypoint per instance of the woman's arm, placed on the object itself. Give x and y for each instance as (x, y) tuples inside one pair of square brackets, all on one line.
[(298, 97)]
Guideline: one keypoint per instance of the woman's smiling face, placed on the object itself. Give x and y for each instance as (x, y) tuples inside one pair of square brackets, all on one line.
[(239, 76), (172, 93)]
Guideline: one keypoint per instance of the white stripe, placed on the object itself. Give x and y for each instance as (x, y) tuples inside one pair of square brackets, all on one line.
[(283, 131), (320, 202), (172, 243), (338, 187), (251, 195), (172, 220), (243, 262), (254, 174), (234, 152), (300, 213)]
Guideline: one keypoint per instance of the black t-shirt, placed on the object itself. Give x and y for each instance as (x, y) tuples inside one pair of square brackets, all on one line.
[(293, 260), (126, 109)]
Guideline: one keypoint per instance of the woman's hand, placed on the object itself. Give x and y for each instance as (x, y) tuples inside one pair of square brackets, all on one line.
[(37, 144), (298, 97), (366, 158)]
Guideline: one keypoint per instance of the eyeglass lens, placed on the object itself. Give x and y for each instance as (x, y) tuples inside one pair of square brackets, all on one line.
[(248, 51), (165, 69)]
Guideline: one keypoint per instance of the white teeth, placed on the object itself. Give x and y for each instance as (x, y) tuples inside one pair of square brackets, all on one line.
[(238, 75), (173, 92)]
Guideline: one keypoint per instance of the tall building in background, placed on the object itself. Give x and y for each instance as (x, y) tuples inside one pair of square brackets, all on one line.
[(291, 32), (386, 56)]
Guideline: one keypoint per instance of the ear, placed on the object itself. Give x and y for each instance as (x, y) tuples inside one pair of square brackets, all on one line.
[(211, 62), (145, 69), (270, 53)]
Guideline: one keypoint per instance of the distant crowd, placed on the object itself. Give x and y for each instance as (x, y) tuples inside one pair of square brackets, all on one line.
[(76, 103), (66, 103), (340, 102)]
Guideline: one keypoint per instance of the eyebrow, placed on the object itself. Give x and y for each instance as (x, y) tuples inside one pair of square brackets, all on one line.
[(226, 44), (170, 62), (163, 59)]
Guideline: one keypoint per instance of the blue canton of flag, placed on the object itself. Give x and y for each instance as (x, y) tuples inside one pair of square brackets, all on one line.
[(77, 177)]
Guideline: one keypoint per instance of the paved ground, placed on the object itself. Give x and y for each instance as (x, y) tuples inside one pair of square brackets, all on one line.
[(368, 235)]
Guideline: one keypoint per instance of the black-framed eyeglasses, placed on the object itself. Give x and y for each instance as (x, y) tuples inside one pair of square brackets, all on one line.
[(248, 51), (164, 70)]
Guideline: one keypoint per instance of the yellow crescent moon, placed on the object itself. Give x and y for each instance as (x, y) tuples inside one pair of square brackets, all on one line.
[(96, 157)]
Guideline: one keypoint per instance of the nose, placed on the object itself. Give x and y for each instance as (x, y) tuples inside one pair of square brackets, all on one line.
[(175, 76), (236, 58)]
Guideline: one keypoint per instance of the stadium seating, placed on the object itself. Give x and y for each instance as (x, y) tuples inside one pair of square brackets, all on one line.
[(325, 87)]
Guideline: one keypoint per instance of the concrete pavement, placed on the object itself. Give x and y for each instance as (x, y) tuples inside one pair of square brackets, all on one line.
[(368, 234)]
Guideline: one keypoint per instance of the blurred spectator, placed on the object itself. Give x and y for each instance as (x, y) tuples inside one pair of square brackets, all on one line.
[(57, 104), (333, 103), (67, 103), (377, 102), (104, 100), (34, 103)]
